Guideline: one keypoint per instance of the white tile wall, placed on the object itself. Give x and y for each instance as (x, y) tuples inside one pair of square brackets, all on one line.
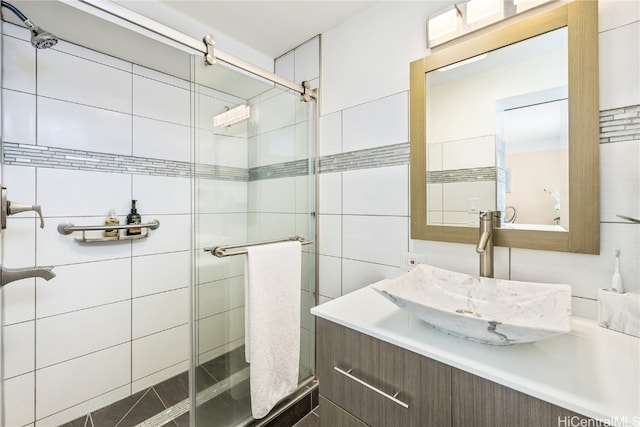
[(330, 130), (273, 147), (85, 285), (19, 124), (307, 61), (619, 185), (376, 239), (379, 191), (70, 125), (73, 78), (159, 312), (330, 284), (19, 73), (221, 196), (272, 195), (377, 123), (330, 193), (21, 339), (220, 329), (358, 113), (161, 195), (214, 148), (160, 100), (173, 235), (63, 385), (19, 404), (620, 66), (158, 273), (161, 140), (69, 335), (285, 66), (219, 296), (330, 235), (83, 193), (151, 353), (68, 342)]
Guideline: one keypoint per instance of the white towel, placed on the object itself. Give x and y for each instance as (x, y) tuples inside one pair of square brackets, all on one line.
[(272, 322)]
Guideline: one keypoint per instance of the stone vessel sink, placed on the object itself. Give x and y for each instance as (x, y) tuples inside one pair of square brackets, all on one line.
[(489, 311)]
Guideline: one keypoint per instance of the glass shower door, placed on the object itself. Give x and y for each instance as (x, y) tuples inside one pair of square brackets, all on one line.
[(253, 182)]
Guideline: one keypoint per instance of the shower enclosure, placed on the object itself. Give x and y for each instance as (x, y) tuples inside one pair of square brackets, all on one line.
[(146, 331), (254, 182)]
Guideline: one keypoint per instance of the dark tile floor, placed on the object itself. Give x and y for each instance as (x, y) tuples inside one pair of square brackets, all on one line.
[(311, 420), (228, 408)]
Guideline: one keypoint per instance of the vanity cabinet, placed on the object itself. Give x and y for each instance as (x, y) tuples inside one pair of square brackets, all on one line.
[(366, 381), (378, 383), (476, 401)]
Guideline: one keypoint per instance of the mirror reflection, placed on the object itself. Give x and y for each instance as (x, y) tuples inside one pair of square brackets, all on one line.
[(497, 136)]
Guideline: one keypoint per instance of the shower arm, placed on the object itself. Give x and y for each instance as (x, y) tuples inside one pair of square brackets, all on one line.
[(19, 14)]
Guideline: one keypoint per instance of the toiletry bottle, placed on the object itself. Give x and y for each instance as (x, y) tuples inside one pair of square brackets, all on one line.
[(112, 219), (134, 218)]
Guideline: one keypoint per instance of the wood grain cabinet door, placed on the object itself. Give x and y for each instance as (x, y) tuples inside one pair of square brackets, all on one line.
[(379, 383), (482, 403)]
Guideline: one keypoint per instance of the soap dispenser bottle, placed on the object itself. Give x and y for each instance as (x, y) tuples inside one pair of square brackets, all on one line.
[(134, 218), (112, 219)]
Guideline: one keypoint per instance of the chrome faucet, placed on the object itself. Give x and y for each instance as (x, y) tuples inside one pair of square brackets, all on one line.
[(8, 207), (9, 275), (485, 243)]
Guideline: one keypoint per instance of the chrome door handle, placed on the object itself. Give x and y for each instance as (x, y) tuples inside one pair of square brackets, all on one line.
[(370, 387)]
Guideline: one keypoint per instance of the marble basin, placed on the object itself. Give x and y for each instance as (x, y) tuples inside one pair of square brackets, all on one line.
[(489, 311)]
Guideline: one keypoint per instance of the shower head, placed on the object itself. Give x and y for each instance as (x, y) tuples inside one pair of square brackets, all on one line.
[(40, 39)]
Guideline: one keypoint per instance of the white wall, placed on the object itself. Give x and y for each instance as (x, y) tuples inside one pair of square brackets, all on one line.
[(365, 82)]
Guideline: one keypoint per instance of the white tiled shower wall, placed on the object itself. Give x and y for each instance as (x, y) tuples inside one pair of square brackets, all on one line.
[(98, 331), (364, 214), (115, 319)]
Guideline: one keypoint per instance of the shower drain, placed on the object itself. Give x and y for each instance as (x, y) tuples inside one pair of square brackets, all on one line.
[(205, 395)]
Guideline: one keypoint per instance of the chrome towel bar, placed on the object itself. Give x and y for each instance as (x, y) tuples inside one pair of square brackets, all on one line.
[(223, 251)]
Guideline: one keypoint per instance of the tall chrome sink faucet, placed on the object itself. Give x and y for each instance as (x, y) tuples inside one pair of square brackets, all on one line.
[(485, 243)]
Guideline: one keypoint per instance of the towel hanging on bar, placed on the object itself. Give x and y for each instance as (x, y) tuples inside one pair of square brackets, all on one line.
[(223, 251)]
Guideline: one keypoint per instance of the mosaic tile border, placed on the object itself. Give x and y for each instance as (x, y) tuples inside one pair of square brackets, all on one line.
[(620, 124), (280, 170), (388, 155), (462, 175), (65, 158), (616, 125)]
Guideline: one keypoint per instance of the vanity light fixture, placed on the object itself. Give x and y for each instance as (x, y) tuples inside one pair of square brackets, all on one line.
[(231, 116), (445, 25), (484, 12), (463, 18), (522, 5)]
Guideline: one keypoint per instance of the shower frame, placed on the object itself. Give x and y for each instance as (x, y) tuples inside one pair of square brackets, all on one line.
[(206, 47), (132, 20)]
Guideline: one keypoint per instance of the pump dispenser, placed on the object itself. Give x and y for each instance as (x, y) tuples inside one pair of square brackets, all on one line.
[(134, 218)]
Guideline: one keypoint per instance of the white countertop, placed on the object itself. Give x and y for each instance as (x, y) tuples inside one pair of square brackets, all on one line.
[(591, 370)]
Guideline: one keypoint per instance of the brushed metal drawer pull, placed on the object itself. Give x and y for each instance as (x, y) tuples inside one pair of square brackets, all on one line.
[(370, 387)]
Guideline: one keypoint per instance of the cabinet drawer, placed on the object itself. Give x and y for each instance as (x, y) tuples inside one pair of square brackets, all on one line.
[(334, 416), (377, 382)]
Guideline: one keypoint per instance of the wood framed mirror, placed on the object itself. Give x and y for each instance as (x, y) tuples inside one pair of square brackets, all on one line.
[(581, 233)]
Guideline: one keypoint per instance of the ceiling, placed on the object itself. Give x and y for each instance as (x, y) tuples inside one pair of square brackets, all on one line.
[(269, 26)]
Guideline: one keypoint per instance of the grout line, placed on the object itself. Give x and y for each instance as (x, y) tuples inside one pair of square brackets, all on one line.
[(132, 407)]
